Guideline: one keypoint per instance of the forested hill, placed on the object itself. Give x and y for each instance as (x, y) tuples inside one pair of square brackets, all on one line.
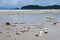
[(41, 7)]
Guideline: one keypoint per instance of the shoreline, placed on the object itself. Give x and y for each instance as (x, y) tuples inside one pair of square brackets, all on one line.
[(28, 11)]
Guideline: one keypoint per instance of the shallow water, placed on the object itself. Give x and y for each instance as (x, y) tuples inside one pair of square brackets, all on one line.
[(35, 20)]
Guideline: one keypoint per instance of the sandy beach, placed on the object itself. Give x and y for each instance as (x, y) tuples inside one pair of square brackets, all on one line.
[(27, 11)]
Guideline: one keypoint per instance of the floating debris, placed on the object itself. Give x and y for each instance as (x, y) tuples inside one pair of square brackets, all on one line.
[(36, 35), (45, 32), (17, 33), (44, 28), (28, 28), (54, 23), (41, 32), (22, 31), (48, 18), (7, 23)]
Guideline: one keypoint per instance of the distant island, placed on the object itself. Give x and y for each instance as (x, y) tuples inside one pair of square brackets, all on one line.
[(40, 7)]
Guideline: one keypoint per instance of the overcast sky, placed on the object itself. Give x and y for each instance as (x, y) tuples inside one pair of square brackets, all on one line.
[(20, 3)]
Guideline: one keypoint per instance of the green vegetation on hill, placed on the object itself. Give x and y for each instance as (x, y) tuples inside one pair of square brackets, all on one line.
[(41, 7)]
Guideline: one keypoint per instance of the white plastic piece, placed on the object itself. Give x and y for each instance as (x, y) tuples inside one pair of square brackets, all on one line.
[(41, 32), (45, 28)]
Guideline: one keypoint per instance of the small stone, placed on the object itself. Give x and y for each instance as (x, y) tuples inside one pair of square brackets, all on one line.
[(36, 35), (46, 32)]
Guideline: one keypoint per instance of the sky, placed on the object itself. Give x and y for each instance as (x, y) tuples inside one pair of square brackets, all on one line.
[(20, 3)]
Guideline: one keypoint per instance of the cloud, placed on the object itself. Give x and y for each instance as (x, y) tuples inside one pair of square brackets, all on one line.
[(38, 2), (20, 3), (8, 3), (52, 3), (26, 2)]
